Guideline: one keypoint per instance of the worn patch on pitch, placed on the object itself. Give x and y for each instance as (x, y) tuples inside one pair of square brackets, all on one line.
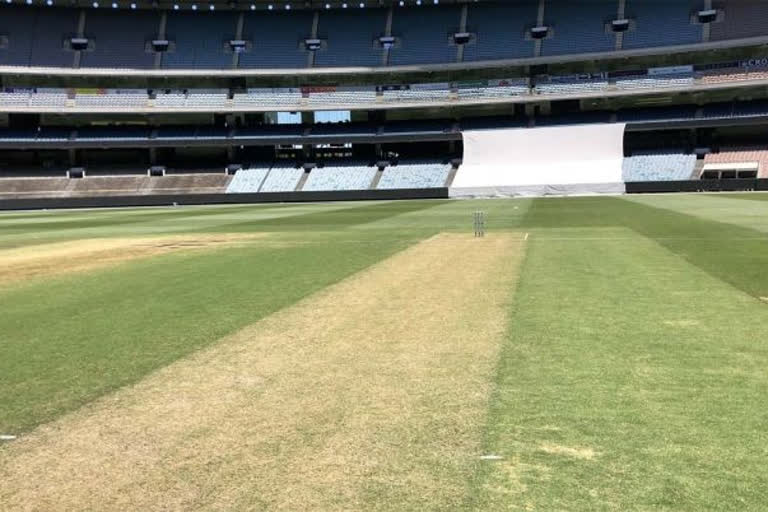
[(682, 323), (22, 263), (369, 394), (568, 451)]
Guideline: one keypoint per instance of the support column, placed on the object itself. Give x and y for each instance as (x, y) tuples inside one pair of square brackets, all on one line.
[(706, 28), (80, 33), (161, 35), (620, 15), (539, 22), (313, 35), (239, 36), (387, 33), (462, 28)]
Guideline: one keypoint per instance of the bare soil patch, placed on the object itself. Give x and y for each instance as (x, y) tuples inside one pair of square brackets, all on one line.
[(22, 263), (568, 451), (368, 395)]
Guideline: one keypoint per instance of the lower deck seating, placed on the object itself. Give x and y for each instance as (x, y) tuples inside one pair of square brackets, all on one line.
[(282, 179), (745, 155), (247, 180), (658, 167), (352, 176), (415, 174), (20, 188)]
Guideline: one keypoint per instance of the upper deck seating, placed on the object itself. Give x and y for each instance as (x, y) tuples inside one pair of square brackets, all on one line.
[(423, 35), (37, 35), (500, 30), (350, 37), (660, 23), (52, 30), (200, 40), (117, 44), (743, 18), (276, 39), (578, 27)]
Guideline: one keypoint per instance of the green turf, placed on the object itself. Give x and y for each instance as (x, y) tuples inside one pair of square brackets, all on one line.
[(69, 339), (632, 376), (637, 348)]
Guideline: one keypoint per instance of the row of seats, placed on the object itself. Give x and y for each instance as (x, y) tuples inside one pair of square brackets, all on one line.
[(39, 36), (726, 75), (289, 98), (422, 174), (340, 176), (658, 167), (728, 110), (744, 155), (20, 188), (345, 176)]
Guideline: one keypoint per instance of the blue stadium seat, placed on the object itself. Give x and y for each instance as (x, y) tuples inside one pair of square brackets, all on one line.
[(405, 127), (38, 35), (500, 30), (578, 27), (17, 24), (423, 35), (750, 108), (661, 23), (276, 38), (115, 133), (118, 44), (743, 18), (489, 123), (671, 113), (350, 37), (52, 27), (574, 118), (200, 40)]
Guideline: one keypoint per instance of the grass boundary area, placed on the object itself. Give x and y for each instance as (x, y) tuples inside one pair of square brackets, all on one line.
[(109, 327), (627, 381)]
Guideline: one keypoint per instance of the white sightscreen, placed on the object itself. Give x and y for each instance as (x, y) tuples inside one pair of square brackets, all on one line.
[(553, 156)]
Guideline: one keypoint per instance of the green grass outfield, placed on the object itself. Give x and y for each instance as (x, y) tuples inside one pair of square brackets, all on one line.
[(633, 375)]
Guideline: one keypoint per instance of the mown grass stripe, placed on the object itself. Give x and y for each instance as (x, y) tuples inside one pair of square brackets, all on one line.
[(736, 254), (73, 338), (630, 380), (367, 395)]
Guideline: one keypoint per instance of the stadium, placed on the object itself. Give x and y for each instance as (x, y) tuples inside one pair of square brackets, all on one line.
[(383, 255)]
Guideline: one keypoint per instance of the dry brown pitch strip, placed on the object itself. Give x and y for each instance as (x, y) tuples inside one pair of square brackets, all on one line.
[(368, 395)]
